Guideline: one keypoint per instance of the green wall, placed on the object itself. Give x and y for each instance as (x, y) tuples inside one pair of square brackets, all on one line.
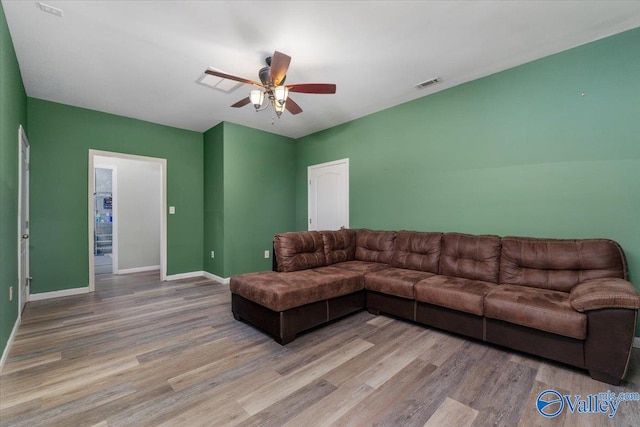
[(13, 113), (259, 195), (249, 196), (61, 137), (214, 200), (520, 152)]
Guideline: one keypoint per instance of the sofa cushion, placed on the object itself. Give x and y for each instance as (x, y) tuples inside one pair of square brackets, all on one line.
[(454, 292), (543, 309), (417, 251), (361, 267), (374, 246), (559, 264), (282, 291), (394, 281), (470, 257), (339, 245), (299, 250)]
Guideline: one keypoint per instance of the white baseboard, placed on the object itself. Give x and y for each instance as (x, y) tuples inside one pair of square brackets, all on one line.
[(5, 352), (58, 294), (138, 269), (192, 274), (636, 342), (189, 275), (223, 280)]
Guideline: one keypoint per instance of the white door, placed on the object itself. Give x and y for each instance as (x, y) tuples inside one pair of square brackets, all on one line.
[(329, 195), (23, 220)]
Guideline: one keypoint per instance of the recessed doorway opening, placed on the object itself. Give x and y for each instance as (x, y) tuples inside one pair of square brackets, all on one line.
[(128, 223)]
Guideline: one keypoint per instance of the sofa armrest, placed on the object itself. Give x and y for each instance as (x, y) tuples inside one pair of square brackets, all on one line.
[(596, 294)]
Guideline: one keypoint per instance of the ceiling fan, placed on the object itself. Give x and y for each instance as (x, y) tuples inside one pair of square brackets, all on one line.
[(272, 86)]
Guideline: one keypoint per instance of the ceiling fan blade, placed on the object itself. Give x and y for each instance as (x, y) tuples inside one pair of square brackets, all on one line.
[(231, 77), (279, 66), (242, 102), (327, 88), (292, 107)]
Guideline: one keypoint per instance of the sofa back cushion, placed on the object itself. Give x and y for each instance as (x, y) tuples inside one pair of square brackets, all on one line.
[(299, 250), (559, 264), (470, 257), (374, 246), (417, 251), (339, 245)]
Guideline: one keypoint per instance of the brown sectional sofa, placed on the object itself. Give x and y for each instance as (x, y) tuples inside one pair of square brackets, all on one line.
[(566, 300)]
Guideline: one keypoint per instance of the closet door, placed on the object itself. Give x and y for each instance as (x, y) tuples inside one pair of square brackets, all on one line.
[(329, 195)]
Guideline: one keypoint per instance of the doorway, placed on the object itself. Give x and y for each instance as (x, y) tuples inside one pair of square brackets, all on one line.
[(104, 233), (137, 205), (329, 195), (23, 220)]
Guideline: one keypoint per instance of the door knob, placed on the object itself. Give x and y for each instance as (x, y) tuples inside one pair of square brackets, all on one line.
[(25, 236)]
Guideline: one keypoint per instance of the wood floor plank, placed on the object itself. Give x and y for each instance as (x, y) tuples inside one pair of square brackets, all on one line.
[(452, 413), (359, 377), (367, 365), (377, 404), (415, 409), (69, 380), (29, 363), (474, 387), (279, 413), (226, 360), (332, 407), (266, 396), (500, 405), (140, 351)]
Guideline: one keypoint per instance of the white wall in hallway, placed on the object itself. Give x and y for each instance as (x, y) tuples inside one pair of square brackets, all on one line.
[(138, 211)]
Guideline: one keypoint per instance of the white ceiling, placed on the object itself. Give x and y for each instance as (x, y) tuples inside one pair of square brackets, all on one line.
[(142, 59)]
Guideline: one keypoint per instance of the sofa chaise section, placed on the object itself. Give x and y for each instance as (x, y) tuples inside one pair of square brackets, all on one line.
[(303, 293)]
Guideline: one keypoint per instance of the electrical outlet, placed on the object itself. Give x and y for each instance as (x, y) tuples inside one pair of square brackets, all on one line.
[(10, 293), (266, 254), (213, 254)]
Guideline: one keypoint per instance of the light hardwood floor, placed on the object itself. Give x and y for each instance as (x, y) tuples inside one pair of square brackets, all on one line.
[(142, 352)]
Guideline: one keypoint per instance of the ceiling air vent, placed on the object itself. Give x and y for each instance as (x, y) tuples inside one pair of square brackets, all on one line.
[(224, 85), (49, 9), (427, 83)]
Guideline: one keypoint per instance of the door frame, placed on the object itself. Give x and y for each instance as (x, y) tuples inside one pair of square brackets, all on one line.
[(23, 216), (163, 208), (310, 169), (114, 213)]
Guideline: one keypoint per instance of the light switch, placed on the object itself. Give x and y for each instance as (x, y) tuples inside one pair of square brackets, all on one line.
[(266, 254), (172, 210)]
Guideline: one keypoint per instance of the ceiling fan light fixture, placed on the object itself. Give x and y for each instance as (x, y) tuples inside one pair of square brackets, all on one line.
[(279, 108), (257, 98), (281, 93)]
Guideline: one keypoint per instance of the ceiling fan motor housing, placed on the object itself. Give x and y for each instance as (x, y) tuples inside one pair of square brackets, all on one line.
[(264, 75)]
